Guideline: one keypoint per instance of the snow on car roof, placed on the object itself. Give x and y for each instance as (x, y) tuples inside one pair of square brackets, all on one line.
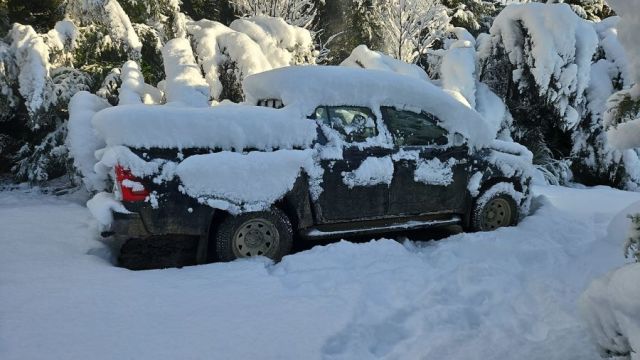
[(227, 127), (306, 87)]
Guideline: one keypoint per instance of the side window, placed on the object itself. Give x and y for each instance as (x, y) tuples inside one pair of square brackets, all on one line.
[(353, 123), (410, 129)]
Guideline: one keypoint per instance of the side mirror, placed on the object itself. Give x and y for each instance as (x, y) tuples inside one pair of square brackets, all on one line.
[(459, 139)]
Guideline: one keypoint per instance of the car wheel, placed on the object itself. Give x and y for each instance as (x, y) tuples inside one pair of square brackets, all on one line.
[(495, 211), (263, 233)]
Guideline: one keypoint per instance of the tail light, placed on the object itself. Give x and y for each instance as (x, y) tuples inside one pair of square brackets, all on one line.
[(130, 186)]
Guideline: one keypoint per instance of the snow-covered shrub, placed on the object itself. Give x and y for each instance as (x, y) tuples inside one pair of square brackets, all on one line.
[(538, 59), (473, 15), (185, 83), (248, 46), (296, 12), (611, 311)]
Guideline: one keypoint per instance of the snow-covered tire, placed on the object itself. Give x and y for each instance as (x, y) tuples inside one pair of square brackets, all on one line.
[(263, 233), (494, 208)]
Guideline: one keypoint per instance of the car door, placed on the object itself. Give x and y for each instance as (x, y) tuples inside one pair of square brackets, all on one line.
[(356, 184), (430, 172)]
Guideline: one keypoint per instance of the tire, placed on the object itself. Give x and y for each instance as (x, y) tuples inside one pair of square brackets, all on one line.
[(492, 210), (264, 233)]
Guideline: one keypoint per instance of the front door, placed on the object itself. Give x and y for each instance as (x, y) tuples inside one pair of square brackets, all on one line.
[(430, 172), (358, 174)]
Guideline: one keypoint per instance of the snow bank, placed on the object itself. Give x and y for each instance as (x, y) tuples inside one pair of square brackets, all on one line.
[(227, 127), (362, 57), (304, 88), (509, 294), (611, 309), (237, 182), (184, 84), (372, 171), (82, 139)]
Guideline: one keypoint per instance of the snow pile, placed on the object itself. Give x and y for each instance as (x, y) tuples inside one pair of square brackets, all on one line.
[(248, 46), (558, 55), (237, 182), (226, 127), (133, 89), (184, 84), (435, 172), (82, 139), (305, 88), (362, 57), (372, 171), (611, 309)]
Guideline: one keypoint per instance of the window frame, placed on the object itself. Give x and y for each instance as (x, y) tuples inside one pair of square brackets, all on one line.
[(325, 123), (428, 117)]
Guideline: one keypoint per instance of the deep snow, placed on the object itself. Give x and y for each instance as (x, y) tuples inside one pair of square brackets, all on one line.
[(509, 294)]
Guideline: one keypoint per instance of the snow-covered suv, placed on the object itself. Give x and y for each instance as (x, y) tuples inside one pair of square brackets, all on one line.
[(316, 152)]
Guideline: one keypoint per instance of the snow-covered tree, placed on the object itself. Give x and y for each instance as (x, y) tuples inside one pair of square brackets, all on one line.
[(595, 161), (538, 59), (410, 27), (295, 12), (473, 15), (346, 25)]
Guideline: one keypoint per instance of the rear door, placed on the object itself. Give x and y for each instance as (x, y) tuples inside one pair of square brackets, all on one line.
[(430, 172), (357, 166)]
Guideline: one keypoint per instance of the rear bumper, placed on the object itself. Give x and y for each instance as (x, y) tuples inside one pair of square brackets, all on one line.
[(127, 226)]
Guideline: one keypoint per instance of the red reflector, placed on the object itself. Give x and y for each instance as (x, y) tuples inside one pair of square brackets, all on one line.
[(129, 193)]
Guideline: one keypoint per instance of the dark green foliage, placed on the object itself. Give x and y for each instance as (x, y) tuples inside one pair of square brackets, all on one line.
[(474, 15), (41, 14), (348, 24), (216, 10)]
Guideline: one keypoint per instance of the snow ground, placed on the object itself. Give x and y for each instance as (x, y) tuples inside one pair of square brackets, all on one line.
[(509, 294)]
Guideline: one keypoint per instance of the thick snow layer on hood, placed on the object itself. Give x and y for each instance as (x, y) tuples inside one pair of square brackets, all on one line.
[(237, 182), (362, 57), (304, 88), (227, 127)]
